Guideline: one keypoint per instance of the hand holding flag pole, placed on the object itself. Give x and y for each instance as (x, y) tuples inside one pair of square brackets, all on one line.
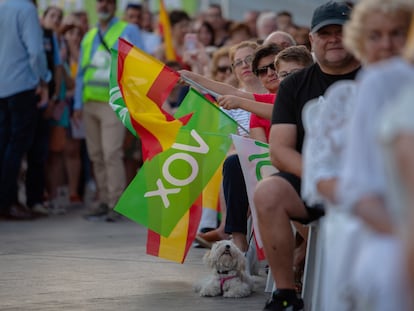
[(202, 88), (182, 155)]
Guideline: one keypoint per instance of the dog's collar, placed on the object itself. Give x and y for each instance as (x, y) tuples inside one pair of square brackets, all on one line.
[(223, 272)]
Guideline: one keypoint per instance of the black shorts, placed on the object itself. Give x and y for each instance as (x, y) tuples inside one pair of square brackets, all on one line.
[(315, 211)]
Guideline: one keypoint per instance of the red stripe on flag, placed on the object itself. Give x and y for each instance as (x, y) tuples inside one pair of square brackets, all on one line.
[(163, 85), (195, 216), (153, 243), (154, 239), (123, 49), (150, 144)]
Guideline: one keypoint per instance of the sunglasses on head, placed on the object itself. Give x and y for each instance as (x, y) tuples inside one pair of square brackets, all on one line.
[(263, 70), (223, 69)]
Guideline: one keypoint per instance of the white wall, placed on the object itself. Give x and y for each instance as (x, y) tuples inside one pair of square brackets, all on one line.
[(301, 9)]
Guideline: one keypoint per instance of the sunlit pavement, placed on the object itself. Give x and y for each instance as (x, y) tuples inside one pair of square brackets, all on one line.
[(64, 262)]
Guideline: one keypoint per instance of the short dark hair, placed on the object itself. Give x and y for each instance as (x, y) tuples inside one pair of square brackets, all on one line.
[(238, 26), (177, 16), (134, 6), (298, 54), (284, 13), (264, 51)]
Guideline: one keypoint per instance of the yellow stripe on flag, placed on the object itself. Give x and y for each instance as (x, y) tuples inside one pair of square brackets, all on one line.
[(142, 109), (173, 247), (212, 189), (164, 21)]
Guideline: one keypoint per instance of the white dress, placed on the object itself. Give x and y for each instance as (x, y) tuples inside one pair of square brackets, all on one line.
[(325, 121), (377, 277), (396, 119), (363, 171)]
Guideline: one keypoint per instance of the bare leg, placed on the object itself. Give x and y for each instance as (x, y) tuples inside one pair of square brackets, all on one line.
[(240, 240), (300, 250), (218, 233), (54, 173), (277, 202)]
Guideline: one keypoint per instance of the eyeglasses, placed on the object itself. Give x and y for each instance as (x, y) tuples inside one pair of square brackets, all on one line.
[(263, 70), (239, 62), (223, 69), (284, 74)]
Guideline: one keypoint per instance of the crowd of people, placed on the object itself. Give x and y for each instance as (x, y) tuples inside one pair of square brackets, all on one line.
[(332, 100)]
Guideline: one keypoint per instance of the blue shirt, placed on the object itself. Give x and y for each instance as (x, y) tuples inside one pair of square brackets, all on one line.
[(131, 33), (22, 56), (56, 55)]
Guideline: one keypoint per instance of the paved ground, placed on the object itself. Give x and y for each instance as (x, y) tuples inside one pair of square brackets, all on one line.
[(66, 263)]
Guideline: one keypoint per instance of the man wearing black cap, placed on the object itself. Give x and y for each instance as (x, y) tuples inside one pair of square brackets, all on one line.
[(277, 198)]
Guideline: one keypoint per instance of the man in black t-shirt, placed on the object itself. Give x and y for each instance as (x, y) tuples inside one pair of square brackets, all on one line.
[(277, 198)]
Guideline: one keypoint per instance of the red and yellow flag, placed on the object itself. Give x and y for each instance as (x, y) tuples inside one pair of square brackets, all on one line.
[(144, 94), (165, 31), (176, 246), (181, 155)]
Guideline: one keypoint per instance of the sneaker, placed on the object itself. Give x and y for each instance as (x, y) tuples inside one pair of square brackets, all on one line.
[(97, 212), (278, 303), (40, 209), (56, 208)]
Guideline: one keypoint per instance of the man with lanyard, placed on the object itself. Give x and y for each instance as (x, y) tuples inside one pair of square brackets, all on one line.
[(277, 198), (104, 132)]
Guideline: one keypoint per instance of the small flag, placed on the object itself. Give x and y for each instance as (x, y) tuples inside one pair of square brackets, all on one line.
[(165, 30), (255, 162)]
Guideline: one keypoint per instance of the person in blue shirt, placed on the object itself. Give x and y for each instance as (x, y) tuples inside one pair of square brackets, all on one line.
[(24, 77), (103, 131)]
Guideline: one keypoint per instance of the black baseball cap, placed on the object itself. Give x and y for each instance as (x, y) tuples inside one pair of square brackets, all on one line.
[(330, 13)]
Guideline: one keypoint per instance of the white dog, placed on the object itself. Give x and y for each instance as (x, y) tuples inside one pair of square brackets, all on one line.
[(229, 276)]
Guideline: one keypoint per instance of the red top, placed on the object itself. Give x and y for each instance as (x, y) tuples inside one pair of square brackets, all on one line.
[(256, 121)]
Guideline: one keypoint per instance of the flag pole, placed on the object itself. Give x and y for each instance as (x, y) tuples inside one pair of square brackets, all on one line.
[(199, 86), (212, 93)]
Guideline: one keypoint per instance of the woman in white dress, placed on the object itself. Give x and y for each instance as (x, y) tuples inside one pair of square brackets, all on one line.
[(376, 32), (396, 132)]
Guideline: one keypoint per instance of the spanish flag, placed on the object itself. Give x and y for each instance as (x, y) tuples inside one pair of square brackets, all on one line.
[(166, 194), (145, 84), (165, 31), (176, 246)]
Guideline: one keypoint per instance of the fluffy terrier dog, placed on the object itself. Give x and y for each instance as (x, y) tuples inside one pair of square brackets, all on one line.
[(229, 277)]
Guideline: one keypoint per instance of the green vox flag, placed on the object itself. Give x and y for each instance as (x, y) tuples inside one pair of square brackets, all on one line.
[(167, 185), (115, 97)]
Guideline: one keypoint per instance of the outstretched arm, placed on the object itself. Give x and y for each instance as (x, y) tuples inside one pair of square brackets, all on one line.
[(215, 86), (263, 110)]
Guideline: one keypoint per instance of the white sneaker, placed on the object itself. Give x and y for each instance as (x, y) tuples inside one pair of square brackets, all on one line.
[(40, 209), (57, 208)]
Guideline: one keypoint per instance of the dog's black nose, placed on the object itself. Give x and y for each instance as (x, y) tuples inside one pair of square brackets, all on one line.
[(227, 246)]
